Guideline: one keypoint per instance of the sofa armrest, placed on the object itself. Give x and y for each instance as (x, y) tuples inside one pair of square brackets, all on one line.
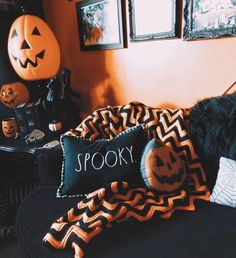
[(49, 166)]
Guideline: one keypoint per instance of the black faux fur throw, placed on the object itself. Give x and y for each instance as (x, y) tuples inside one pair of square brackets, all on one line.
[(213, 132)]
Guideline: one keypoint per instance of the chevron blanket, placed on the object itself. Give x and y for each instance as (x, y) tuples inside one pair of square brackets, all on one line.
[(118, 202)]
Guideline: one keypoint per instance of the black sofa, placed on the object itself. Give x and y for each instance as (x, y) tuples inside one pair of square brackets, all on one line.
[(207, 232)]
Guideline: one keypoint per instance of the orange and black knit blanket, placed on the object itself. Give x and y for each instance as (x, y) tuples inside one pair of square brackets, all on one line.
[(118, 202)]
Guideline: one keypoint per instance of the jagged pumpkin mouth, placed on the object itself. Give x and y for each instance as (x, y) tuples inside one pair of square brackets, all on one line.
[(28, 61), (10, 102), (172, 179)]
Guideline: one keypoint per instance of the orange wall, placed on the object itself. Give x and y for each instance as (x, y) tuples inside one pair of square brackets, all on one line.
[(170, 73)]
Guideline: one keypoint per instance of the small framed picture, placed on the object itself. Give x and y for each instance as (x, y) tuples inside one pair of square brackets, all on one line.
[(209, 19), (101, 24), (8, 5), (153, 19)]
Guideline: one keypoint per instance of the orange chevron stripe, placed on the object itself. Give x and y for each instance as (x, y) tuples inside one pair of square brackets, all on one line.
[(86, 237), (100, 193), (108, 216), (198, 186), (200, 169), (58, 226), (176, 126), (167, 136), (127, 196), (190, 207), (72, 217), (115, 131), (114, 187), (79, 253), (153, 209), (115, 119), (187, 144), (110, 219), (154, 114), (95, 132), (171, 117), (142, 218)]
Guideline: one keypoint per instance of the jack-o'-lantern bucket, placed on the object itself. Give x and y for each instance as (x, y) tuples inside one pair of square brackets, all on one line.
[(9, 127)]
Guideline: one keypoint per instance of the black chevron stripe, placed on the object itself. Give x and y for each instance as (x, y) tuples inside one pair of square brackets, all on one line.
[(169, 125), (164, 117), (183, 149)]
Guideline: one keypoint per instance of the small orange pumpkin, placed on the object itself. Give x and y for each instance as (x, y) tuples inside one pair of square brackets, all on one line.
[(161, 167), (33, 49), (9, 127), (14, 94), (55, 126)]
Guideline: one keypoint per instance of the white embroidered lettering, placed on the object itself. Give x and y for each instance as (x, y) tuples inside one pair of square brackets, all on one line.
[(92, 161), (110, 159), (130, 152), (87, 157), (120, 151), (80, 166), (106, 159)]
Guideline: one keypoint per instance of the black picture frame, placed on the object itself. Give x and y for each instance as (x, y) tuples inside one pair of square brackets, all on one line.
[(101, 24), (170, 9), (209, 19)]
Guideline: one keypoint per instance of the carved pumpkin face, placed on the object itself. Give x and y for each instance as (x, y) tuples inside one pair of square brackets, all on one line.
[(33, 49), (161, 167), (14, 94), (9, 127)]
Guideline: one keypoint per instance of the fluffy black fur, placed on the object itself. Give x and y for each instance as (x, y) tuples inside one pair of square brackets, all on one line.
[(213, 132)]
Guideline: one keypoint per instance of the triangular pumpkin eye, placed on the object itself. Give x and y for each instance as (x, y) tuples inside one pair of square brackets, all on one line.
[(172, 158), (159, 162), (36, 31), (14, 34)]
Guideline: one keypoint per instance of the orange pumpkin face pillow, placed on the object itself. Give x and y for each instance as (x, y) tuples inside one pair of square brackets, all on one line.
[(33, 49), (14, 94), (161, 168)]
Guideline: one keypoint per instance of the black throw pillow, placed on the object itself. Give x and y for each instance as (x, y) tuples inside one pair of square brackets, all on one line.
[(89, 165)]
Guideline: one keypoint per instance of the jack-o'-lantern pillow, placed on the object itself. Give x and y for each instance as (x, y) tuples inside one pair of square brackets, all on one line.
[(161, 167), (33, 49)]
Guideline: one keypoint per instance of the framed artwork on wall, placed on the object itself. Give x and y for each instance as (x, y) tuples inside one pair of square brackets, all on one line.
[(101, 24), (153, 19), (209, 19), (7, 6)]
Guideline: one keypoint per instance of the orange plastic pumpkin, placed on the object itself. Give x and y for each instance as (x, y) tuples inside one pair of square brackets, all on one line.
[(161, 167), (14, 94), (33, 49)]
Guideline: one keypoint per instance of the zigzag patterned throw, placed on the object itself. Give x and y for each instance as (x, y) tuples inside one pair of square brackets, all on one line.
[(117, 202)]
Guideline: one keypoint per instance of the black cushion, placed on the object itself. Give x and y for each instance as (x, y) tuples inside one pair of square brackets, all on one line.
[(49, 162), (89, 165), (207, 232), (212, 131)]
